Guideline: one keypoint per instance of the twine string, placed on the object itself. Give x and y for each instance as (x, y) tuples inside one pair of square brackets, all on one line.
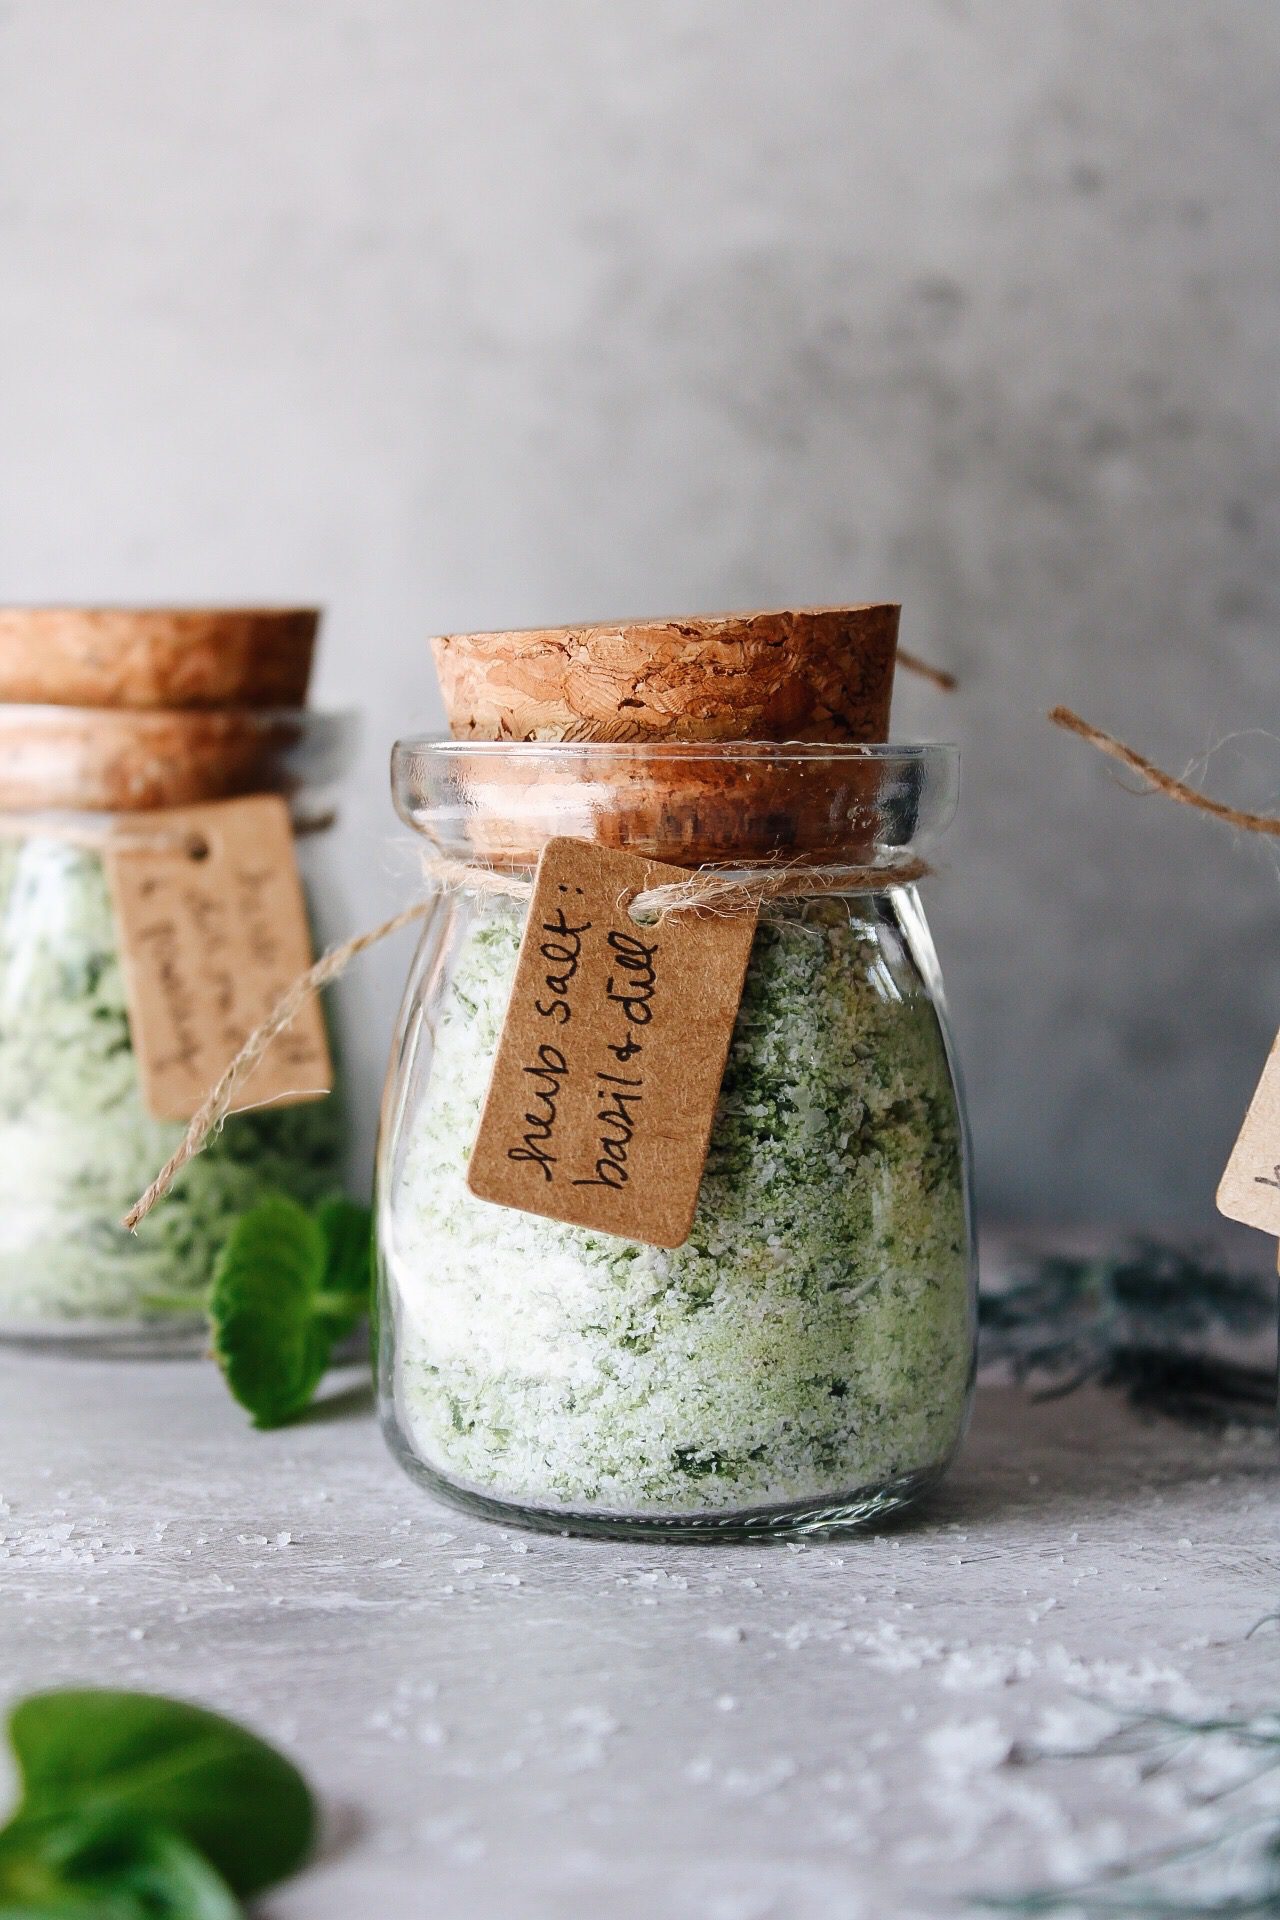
[(216, 1105), (705, 891), (1161, 782), (938, 677)]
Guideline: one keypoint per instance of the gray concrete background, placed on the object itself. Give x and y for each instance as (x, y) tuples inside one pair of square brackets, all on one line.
[(476, 312)]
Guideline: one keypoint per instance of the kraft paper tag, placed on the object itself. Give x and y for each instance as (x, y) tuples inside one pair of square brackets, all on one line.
[(213, 931), (610, 1060), (1250, 1189)]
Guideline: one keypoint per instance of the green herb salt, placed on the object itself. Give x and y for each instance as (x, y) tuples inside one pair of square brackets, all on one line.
[(813, 1335), (77, 1144)]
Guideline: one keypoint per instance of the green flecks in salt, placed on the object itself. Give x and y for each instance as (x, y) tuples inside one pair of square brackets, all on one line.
[(814, 1334)]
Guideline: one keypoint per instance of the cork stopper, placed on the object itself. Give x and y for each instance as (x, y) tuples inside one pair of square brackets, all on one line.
[(152, 657), (813, 673)]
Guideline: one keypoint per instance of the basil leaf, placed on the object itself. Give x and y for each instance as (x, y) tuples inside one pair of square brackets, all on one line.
[(96, 1764), (268, 1334), (31, 1879), (84, 1864), (89, 1869), (347, 1230), (287, 1287), (165, 1875)]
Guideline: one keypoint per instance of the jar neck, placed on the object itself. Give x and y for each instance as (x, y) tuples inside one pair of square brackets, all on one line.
[(94, 832), (746, 806), (109, 761)]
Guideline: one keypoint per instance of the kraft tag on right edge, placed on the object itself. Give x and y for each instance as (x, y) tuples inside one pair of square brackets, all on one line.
[(1250, 1187)]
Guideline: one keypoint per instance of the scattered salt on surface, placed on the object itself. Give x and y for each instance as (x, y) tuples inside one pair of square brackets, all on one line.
[(961, 1748), (1076, 1727), (738, 1782)]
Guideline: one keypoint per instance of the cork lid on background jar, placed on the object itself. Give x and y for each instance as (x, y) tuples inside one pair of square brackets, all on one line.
[(157, 656), (124, 709)]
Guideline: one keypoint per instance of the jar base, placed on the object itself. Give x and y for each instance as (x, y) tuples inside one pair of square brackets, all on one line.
[(180, 1338), (831, 1517)]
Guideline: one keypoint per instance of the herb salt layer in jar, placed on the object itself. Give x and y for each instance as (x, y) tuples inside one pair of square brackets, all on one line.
[(805, 1360), (77, 1139)]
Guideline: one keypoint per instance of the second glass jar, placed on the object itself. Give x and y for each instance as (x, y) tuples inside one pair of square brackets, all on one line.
[(77, 1143)]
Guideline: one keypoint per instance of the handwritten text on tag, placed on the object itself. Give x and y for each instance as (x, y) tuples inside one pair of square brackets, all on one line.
[(213, 929), (609, 1064)]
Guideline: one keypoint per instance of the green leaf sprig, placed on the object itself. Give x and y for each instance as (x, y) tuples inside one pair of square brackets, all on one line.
[(1155, 1884), (1145, 1322), (288, 1286), (135, 1807)]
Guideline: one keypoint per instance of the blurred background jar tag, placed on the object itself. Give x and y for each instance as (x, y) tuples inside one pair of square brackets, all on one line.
[(213, 931), (608, 1068)]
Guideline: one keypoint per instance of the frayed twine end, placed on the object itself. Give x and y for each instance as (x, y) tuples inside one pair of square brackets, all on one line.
[(1158, 780)]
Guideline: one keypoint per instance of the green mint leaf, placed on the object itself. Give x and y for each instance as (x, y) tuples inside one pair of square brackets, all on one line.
[(348, 1231), (287, 1287), (82, 1868), (266, 1310), (165, 1875), (135, 1783)]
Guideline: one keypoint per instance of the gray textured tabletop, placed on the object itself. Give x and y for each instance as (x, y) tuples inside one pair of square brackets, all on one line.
[(507, 1724)]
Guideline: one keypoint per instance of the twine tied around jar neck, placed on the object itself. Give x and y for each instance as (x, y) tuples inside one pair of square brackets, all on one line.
[(707, 890)]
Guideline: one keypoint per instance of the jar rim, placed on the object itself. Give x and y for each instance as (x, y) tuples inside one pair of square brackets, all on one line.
[(683, 802), (564, 753)]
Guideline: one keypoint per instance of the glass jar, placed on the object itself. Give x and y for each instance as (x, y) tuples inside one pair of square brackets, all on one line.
[(805, 1361), (77, 1143)]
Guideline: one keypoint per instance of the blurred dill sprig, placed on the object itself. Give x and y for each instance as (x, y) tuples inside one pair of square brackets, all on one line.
[(1143, 1321), (1138, 1887)]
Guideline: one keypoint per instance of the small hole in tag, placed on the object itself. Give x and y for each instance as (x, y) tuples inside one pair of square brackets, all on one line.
[(647, 916), (198, 847)]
